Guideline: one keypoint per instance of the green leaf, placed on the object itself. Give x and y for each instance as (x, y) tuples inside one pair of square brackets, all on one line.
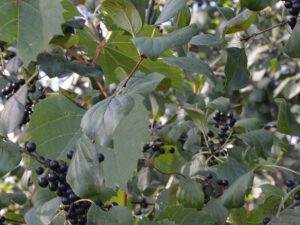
[(162, 222), (206, 39), (100, 121), (10, 156), (30, 25), (255, 5), (221, 104), (286, 123), (261, 140), (129, 138), (292, 47), (183, 18), (57, 65), (70, 10), (234, 196), (13, 112), (32, 218), (240, 22), (199, 119), (153, 47), (247, 124), (192, 65), (169, 163), (288, 217), (55, 126), (48, 210), (124, 15), (170, 9), (85, 173), (117, 215), (243, 216), (237, 75), (226, 12), (185, 216), (190, 194), (141, 6), (141, 83), (270, 190), (231, 170), (217, 211)]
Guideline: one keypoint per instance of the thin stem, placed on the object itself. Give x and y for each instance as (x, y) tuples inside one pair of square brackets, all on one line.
[(125, 199), (83, 61), (168, 174), (33, 76), (134, 69), (98, 51), (283, 168), (264, 31), (150, 10)]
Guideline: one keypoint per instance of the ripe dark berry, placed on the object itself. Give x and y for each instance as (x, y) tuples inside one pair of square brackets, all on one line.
[(101, 157), (54, 165), (222, 182), (209, 176), (138, 212), (53, 186), (292, 22), (266, 220), (99, 203), (146, 147), (2, 219), (52, 176), (290, 183), (30, 146), (222, 140), (211, 144), (172, 150), (63, 168), (297, 196), (43, 182), (39, 170), (144, 203), (65, 200), (210, 134), (62, 187), (73, 197), (288, 4), (61, 177), (162, 151), (70, 154), (114, 204)]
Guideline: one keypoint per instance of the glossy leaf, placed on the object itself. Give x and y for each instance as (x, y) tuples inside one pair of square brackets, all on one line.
[(286, 123), (221, 104), (240, 22), (118, 215), (183, 17), (192, 65), (129, 137), (288, 217), (206, 39), (170, 9), (247, 124), (237, 74), (10, 156), (153, 47), (85, 173), (255, 5), (55, 126), (30, 24), (234, 196), (231, 170), (292, 47), (124, 14), (56, 65), (13, 112)]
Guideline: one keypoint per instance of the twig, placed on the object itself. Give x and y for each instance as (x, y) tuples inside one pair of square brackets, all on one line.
[(168, 174), (83, 61), (150, 11), (125, 199), (98, 51), (134, 69), (264, 31)]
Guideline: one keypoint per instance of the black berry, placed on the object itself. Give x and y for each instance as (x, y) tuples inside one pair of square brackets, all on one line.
[(43, 182), (30, 146), (101, 157), (70, 154), (39, 170)]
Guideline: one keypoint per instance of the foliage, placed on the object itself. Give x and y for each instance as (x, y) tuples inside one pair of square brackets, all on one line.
[(171, 112)]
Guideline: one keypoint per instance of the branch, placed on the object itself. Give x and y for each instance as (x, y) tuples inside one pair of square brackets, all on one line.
[(134, 69), (245, 39), (98, 51), (168, 174), (75, 55)]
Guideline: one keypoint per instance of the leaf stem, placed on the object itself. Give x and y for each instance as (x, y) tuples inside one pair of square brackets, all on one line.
[(36, 73), (245, 39), (169, 174), (134, 70)]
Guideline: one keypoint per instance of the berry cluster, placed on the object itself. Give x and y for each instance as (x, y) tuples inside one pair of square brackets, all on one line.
[(11, 88), (139, 206), (224, 124), (294, 9), (213, 188), (2, 220), (53, 175), (156, 146)]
